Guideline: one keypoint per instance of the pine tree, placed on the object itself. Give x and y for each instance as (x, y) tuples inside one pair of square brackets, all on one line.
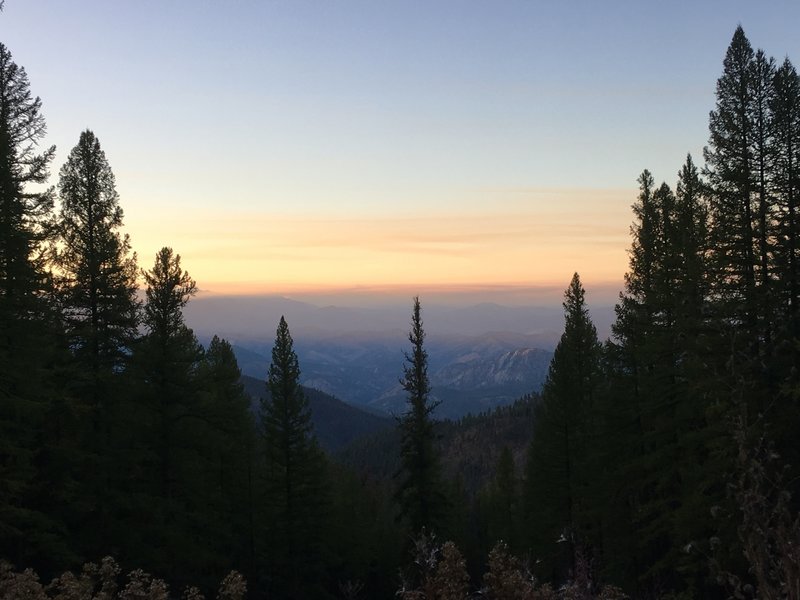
[(420, 493), (99, 275), (168, 355), (222, 439), (786, 177), (165, 426), (96, 284), (656, 401), (763, 147), (786, 123), (557, 471), (25, 216), (733, 169), (29, 340), (297, 490), (691, 241)]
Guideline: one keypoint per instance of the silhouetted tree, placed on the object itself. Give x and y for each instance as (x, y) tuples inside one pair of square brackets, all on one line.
[(170, 353), (557, 496), (166, 424), (98, 274), (786, 126), (29, 345), (296, 488), (224, 462), (420, 494), (731, 169)]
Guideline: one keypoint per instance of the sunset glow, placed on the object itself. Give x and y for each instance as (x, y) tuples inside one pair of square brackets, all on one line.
[(308, 146), (501, 244)]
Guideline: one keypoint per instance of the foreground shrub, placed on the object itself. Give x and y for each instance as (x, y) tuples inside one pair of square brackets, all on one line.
[(100, 582)]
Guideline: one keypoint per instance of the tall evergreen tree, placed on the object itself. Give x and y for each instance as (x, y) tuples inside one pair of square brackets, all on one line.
[(763, 149), (786, 125), (557, 498), (296, 500), (656, 400), (786, 177), (420, 493), (28, 341), (224, 443), (99, 274), (96, 281), (751, 162), (734, 159), (25, 216), (166, 423), (169, 354), (691, 241)]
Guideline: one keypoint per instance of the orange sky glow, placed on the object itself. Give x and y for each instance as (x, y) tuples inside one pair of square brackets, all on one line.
[(517, 238)]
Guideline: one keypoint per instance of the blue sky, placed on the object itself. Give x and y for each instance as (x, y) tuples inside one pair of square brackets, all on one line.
[(337, 116)]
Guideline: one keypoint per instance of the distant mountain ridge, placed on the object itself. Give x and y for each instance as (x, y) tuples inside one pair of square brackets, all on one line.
[(469, 374), (254, 318), (479, 356)]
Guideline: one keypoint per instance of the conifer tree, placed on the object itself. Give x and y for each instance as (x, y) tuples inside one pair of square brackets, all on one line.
[(691, 239), (224, 462), (29, 340), (98, 286), (656, 400), (168, 355), (763, 149), (166, 424), (420, 493), (786, 177), (557, 470), (296, 500), (786, 123), (732, 176), (25, 215)]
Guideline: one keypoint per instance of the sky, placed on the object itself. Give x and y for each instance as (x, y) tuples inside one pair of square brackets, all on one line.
[(487, 148)]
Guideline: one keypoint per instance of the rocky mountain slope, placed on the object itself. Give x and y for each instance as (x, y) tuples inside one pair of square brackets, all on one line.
[(469, 374)]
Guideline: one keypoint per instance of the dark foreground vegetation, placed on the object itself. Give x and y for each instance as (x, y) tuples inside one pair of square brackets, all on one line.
[(663, 462)]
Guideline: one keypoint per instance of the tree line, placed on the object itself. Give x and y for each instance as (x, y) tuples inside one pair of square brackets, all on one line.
[(120, 434), (669, 454)]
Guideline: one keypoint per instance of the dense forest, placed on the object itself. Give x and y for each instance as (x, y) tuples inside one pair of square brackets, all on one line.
[(662, 463)]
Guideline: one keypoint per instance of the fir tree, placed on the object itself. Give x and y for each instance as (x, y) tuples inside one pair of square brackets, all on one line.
[(730, 170), (557, 471), (786, 177), (98, 274), (30, 403), (166, 425), (420, 492), (657, 396), (296, 500), (168, 356), (786, 124)]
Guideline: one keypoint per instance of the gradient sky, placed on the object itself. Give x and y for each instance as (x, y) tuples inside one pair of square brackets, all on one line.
[(288, 146)]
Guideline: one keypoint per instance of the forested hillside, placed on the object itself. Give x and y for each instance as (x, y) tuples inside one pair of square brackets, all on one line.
[(661, 463), (336, 424)]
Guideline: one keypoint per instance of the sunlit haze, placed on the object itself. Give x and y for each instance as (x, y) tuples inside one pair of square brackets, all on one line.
[(482, 150)]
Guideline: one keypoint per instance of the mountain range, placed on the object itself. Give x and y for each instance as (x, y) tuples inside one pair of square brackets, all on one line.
[(479, 356), (468, 374)]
